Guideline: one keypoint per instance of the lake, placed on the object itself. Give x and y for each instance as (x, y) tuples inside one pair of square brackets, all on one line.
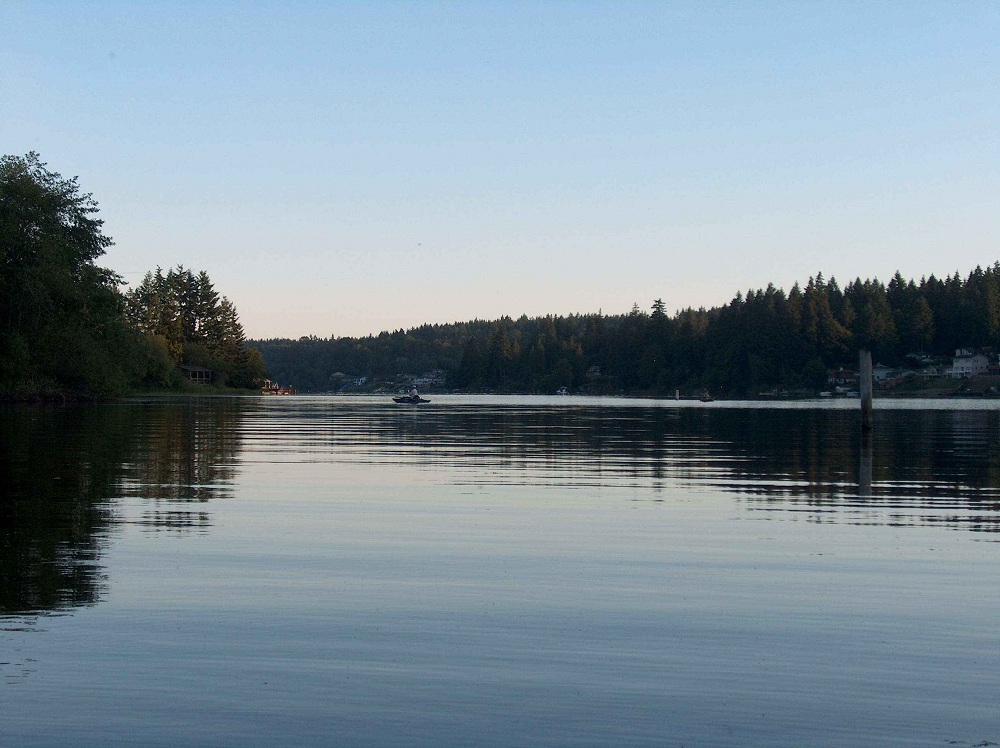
[(499, 571)]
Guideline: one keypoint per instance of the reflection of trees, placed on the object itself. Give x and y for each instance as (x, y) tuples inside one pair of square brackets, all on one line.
[(62, 469), (928, 466), (59, 466), (188, 454), (699, 445)]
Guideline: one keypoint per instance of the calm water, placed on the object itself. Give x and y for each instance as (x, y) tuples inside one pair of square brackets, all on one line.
[(499, 571)]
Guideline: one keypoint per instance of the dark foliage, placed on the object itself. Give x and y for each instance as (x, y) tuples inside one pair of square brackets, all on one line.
[(763, 341), (61, 325), (181, 312)]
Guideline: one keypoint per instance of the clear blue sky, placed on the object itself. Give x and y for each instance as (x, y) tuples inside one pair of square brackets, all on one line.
[(340, 168)]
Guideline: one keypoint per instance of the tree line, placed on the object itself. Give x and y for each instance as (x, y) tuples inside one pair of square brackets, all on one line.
[(764, 340), (66, 329), (183, 315)]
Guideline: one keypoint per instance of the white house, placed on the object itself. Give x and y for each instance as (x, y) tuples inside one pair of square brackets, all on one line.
[(967, 364)]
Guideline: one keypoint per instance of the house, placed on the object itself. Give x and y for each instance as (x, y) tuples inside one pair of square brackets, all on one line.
[(198, 374), (881, 372), (433, 378), (968, 364), (842, 377)]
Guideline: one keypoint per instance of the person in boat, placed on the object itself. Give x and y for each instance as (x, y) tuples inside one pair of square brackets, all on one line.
[(413, 392)]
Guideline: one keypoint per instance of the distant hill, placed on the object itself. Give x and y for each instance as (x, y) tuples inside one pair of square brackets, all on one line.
[(767, 339)]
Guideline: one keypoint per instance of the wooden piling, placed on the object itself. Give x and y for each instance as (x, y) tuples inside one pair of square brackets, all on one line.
[(865, 382)]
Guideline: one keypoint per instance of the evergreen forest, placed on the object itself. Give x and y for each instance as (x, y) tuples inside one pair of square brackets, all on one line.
[(182, 314), (764, 341), (67, 330)]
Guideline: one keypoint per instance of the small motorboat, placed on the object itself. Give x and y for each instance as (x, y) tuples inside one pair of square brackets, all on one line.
[(413, 400)]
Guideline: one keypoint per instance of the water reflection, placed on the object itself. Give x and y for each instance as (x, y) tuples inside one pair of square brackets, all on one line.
[(921, 467), (187, 454), (867, 457), (63, 471)]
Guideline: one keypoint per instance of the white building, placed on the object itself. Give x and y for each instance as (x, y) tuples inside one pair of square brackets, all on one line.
[(880, 372), (967, 364)]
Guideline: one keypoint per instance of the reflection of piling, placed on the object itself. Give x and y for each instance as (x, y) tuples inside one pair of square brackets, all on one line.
[(865, 467), (865, 365)]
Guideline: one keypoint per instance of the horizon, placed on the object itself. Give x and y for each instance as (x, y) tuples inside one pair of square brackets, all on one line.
[(343, 171)]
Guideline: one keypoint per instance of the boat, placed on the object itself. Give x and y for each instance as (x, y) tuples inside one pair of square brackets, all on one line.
[(413, 400)]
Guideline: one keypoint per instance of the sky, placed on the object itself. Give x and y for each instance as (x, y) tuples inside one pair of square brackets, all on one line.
[(343, 168)]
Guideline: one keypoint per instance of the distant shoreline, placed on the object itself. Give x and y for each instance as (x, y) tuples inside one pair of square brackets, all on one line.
[(76, 398), (975, 388)]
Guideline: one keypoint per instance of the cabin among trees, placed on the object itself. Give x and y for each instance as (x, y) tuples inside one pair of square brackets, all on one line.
[(198, 374), (199, 330)]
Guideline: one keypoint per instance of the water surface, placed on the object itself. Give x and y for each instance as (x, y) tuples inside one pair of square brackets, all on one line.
[(499, 571)]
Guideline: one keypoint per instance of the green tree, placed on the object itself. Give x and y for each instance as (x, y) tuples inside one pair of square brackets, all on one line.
[(824, 334), (200, 328), (874, 326), (61, 326)]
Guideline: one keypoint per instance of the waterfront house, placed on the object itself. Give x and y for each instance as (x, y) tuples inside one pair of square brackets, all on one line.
[(968, 364), (843, 377)]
